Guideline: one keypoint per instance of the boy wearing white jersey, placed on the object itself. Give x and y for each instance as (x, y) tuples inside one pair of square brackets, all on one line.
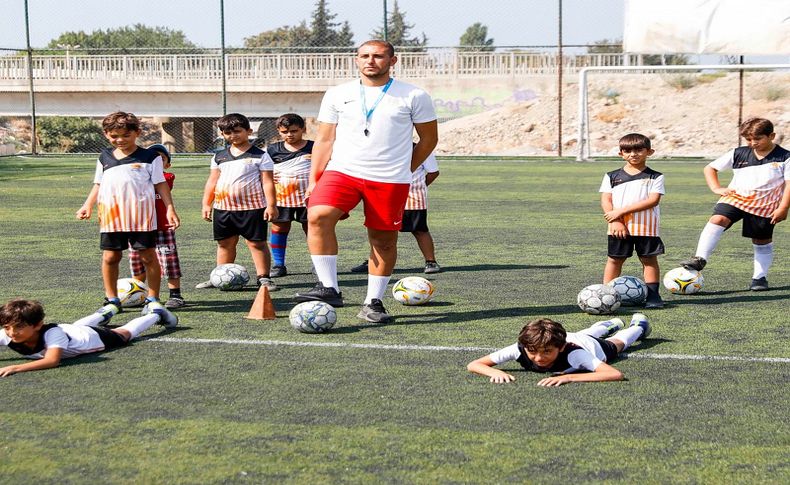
[(544, 346), (363, 152), (25, 332), (629, 199), (125, 186), (758, 193)]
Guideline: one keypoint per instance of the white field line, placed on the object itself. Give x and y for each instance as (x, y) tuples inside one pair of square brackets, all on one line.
[(344, 345)]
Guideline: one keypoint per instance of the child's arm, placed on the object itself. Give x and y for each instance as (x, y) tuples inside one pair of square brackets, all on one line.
[(270, 192), (613, 214), (604, 372), (163, 189), (84, 212), (616, 228), (780, 213), (485, 367), (430, 177), (428, 134), (322, 152), (712, 179), (51, 359), (208, 193)]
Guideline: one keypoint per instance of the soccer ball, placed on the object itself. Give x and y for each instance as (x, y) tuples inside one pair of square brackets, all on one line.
[(229, 276), (683, 281), (598, 299), (413, 290), (131, 292), (632, 290), (313, 317)]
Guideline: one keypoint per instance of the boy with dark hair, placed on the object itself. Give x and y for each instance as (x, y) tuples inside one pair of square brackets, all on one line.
[(758, 193), (125, 186), (166, 249), (292, 158), (26, 333), (240, 190), (544, 346), (629, 199)]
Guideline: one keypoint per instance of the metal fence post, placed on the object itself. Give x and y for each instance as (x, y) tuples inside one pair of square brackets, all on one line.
[(33, 143)]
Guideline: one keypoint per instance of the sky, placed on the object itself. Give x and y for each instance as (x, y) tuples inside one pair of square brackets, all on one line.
[(509, 22)]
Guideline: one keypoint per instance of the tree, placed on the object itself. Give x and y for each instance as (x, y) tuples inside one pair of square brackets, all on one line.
[(615, 46), (138, 37), (69, 134), (476, 39), (398, 31), (285, 36), (322, 32)]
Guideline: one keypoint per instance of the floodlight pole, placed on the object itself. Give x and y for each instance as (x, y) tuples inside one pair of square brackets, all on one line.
[(222, 62), (386, 33), (740, 99), (559, 82), (33, 130)]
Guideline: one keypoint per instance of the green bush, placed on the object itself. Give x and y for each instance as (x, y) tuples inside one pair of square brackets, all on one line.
[(70, 134)]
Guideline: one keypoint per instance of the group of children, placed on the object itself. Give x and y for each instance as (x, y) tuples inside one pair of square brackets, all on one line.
[(248, 187)]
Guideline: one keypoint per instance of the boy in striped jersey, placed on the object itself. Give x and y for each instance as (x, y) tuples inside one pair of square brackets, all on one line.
[(758, 193), (125, 186), (629, 199), (240, 191)]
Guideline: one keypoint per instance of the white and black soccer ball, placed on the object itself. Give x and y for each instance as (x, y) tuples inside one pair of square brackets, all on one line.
[(632, 290), (131, 292), (413, 290), (683, 281), (598, 299), (313, 317), (230, 276)]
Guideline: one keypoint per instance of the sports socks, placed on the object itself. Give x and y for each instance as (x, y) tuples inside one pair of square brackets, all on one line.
[(140, 324), (326, 270), (708, 239), (278, 243), (377, 285), (92, 320), (763, 257), (629, 335), (175, 293), (603, 328)]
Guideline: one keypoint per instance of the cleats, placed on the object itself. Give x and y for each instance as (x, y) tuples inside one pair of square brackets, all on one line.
[(204, 285), (362, 268), (375, 312), (267, 282), (432, 267), (278, 271), (166, 318), (759, 284), (109, 310), (174, 302), (321, 293), (696, 263), (640, 320), (654, 304), (612, 326)]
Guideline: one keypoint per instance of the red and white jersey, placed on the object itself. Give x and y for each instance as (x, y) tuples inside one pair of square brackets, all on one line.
[(73, 339), (758, 183), (239, 186), (126, 200), (627, 189), (291, 173), (418, 190)]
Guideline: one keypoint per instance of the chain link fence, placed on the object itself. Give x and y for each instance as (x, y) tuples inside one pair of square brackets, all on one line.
[(504, 80)]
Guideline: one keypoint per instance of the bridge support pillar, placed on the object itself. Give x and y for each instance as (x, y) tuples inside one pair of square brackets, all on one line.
[(172, 133), (203, 134)]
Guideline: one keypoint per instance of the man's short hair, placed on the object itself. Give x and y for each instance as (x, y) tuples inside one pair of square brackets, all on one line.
[(390, 47), (20, 312), (231, 121), (754, 127), (634, 141), (289, 119), (541, 334), (120, 121)]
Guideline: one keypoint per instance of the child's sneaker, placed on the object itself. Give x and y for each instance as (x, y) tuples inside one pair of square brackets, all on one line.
[(278, 271), (166, 318), (696, 263), (640, 320), (374, 312), (360, 268), (267, 282), (612, 326), (321, 293), (432, 267), (175, 302), (759, 284), (109, 310), (204, 285)]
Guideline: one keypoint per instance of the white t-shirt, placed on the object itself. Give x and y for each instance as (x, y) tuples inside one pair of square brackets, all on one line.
[(385, 154), (73, 339), (588, 357)]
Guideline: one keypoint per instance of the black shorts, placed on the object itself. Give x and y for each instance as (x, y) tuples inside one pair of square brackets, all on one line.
[(645, 246), (287, 214), (755, 227), (609, 349), (415, 221), (111, 340), (247, 224), (119, 241)]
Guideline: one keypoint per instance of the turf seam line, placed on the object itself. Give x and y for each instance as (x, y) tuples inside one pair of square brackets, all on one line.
[(285, 343)]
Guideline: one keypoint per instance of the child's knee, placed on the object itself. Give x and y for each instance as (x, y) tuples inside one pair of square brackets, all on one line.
[(720, 220), (615, 261), (111, 257)]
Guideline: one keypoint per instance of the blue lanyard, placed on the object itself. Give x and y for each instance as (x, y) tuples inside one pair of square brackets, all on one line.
[(368, 112)]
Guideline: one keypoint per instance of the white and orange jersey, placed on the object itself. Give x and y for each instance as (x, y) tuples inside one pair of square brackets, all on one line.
[(758, 183), (418, 190), (628, 189), (291, 173), (239, 186), (126, 200)]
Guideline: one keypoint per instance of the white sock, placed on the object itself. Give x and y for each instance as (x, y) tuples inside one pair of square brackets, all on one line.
[(326, 270), (92, 320), (597, 329), (140, 324), (763, 257), (708, 239), (377, 285), (629, 335)]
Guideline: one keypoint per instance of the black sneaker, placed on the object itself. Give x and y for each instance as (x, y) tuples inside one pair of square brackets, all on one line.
[(362, 268), (432, 267), (759, 284), (267, 282), (375, 312), (174, 302), (321, 293), (278, 271), (696, 263)]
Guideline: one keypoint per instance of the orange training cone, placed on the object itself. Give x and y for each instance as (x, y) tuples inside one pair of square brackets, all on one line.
[(262, 307)]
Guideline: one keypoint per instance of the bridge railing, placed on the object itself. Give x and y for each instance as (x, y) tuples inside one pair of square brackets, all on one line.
[(451, 64)]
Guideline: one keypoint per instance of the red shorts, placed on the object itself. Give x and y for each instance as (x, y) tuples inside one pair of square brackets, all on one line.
[(384, 202)]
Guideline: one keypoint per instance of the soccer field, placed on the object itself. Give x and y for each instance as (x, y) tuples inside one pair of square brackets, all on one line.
[(223, 399)]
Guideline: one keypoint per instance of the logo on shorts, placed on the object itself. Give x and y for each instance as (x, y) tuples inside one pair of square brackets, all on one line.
[(397, 222)]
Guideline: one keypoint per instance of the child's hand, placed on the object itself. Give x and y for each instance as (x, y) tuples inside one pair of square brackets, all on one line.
[(309, 190), (172, 219), (9, 370), (612, 215), (502, 378), (84, 213), (618, 230), (270, 213), (778, 216), (555, 381), (207, 213), (724, 191)]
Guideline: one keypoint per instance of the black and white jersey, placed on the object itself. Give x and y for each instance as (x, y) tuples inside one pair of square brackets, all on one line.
[(627, 189), (291, 173)]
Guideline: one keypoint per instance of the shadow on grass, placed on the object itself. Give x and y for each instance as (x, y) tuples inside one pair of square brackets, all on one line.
[(778, 293), (483, 267)]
